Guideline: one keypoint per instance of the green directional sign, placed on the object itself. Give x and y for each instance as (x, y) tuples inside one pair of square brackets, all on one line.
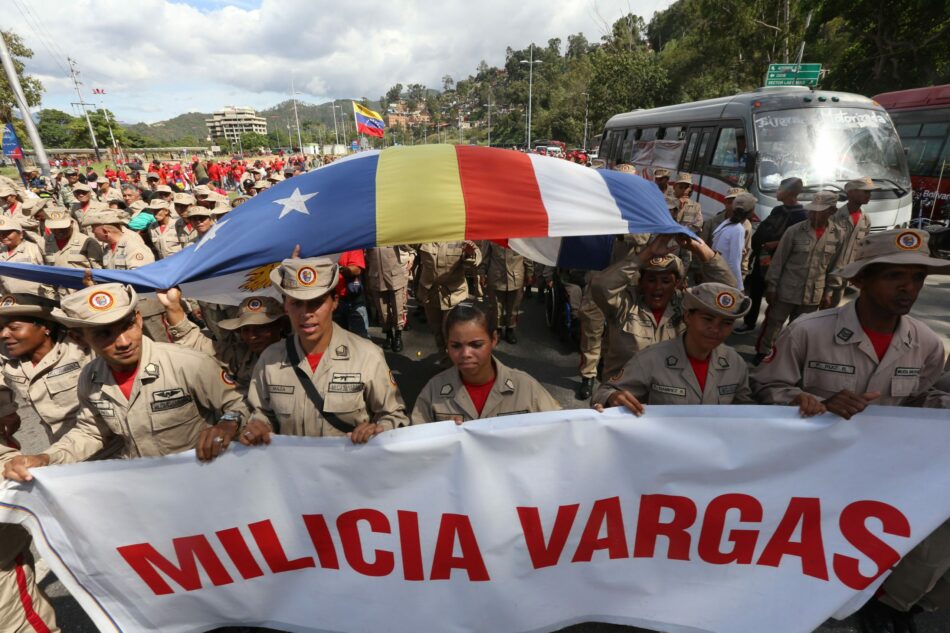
[(793, 75)]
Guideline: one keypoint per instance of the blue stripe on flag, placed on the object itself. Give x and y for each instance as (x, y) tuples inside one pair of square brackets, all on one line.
[(589, 252), (641, 203)]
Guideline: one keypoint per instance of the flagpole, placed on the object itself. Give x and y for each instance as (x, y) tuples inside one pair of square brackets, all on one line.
[(356, 123), (39, 152)]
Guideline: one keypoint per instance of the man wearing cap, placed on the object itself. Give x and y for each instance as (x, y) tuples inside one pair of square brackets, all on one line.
[(801, 274), (693, 368), (11, 200), (15, 249), (168, 235), (125, 249), (661, 177), (323, 380), (641, 299), (107, 192), (688, 213), (158, 398), (504, 273), (85, 202), (68, 246), (66, 197), (870, 351), (386, 281), (442, 284), (855, 224)]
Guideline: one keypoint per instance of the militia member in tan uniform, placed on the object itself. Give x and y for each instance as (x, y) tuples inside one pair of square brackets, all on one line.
[(505, 273), (661, 177), (66, 245), (165, 238), (157, 398), (694, 368), (124, 249), (870, 351), (641, 299), (688, 213), (442, 284), (15, 249), (387, 279), (855, 224), (85, 204), (260, 322), (800, 277), (24, 607), (322, 380), (478, 385), (66, 197), (106, 192)]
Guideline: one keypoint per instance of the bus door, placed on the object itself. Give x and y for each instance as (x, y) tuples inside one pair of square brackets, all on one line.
[(693, 161)]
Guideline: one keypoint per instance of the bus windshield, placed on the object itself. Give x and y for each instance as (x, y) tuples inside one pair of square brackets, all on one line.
[(828, 146)]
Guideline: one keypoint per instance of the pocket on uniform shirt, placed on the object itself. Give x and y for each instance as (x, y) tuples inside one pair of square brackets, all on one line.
[(60, 384), (827, 381), (903, 386), (172, 413), (343, 402)]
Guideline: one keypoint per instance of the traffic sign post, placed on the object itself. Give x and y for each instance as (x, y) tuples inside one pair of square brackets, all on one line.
[(793, 75)]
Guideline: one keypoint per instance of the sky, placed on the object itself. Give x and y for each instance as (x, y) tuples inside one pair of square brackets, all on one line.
[(156, 59)]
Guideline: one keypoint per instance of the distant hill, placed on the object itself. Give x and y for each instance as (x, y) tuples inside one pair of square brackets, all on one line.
[(183, 125)]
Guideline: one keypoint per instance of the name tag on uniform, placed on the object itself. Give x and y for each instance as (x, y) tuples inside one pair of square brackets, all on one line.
[(727, 390), (104, 407), (65, 369), (838, 369), (342, 382), (672, 391), (907, 371), (168, 399), (285, 389), (513, 413)]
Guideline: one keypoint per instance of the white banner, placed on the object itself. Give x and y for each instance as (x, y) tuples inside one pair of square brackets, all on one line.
[(726, 519)]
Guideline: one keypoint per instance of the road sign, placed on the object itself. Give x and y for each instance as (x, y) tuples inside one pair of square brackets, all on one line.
[(793, 75)]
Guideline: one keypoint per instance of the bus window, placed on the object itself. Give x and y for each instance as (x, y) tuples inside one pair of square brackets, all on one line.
[(648, 134), (703, 149), (689, 150), (922, 154), (610, 146), (628, 140), (728, 161), (909, 130), (674, 133)]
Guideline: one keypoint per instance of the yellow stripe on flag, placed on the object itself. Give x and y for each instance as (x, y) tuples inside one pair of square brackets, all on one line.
[(366, 112), (419, 196)]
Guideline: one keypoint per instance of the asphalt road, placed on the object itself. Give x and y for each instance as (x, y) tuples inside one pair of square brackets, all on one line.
[(554, 364)]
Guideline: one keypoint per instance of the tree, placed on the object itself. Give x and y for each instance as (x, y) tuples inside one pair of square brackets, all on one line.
[(394, 94), (448, 83), (252, 141), (32, 88), (54, 128)]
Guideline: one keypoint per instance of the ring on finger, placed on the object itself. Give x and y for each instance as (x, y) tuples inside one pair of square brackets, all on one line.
[(219, 440)]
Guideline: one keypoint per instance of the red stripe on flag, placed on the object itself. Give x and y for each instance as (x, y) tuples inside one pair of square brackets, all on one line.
[(500, 189), (362, 128), (26, 601)]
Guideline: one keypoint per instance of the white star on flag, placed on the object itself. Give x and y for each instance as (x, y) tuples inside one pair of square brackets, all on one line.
[(210, 235), (296, 202)]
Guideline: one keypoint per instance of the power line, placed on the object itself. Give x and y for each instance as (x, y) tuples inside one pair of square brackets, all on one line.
[(47, 43)]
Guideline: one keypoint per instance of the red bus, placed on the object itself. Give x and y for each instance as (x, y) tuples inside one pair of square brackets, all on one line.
[(922, 119)]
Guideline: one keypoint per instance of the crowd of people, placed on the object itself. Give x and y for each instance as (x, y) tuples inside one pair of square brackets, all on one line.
[(108, 374)]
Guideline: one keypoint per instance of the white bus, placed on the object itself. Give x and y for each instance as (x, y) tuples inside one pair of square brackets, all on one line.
[(756, 139)]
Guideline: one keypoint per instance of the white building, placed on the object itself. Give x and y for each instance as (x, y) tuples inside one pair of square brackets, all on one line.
[(231, 122)]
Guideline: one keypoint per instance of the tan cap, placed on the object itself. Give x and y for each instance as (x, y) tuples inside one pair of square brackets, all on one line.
[(201, 190), (105, 216), (238, 200), (744, 202), (626, 168), (254, 311), (659, 172), (183, 198), (102, 304), (216, 197), (906, 247), (718, 299), (31, 206), (665, 263), (9, 223), (25, 305), (157, 203), (684, 177), (9, 191), (276, 176), (80, 186), (220, 208), (58, 219), (138, 205), (864, 183), (304, 279), (733, 192), (196, 210), (262, 184), (163, 189), (102, 180), (153, 175), (822, 201)]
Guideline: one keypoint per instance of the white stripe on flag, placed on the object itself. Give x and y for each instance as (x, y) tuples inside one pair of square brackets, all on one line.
[(541, 250), (578, 201)]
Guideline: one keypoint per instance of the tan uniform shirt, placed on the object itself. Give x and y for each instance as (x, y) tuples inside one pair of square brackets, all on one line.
[(662, 374), (629, 243), (827, 351), (445, 398), (851, 233), (506, 270), (131, 252), (690, 215), (26, 252), (109, 196), (177, 393), (176, 236), (631, 326), (236, 358), (352, 378), (385, 269), (800, 272), (79, 213), (81, 251), (442, 265), (66, 197), (49, 388)]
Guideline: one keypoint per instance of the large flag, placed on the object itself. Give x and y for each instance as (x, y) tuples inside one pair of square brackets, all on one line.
[(368, 122), (403, 195), (11, 143)]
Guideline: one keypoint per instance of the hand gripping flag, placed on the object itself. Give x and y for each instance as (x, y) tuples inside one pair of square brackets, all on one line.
[(368, 122), (403, 195)]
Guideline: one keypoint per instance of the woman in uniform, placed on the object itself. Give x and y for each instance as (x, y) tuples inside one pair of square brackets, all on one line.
[(322, 380), (478, 385)]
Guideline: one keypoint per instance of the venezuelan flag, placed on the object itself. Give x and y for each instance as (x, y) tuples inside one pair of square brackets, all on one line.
[(368, 122)]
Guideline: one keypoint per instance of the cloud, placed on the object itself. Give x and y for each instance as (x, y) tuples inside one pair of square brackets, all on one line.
[(157, 58)]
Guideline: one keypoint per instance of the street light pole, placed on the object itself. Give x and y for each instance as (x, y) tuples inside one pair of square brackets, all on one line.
[(531, 62), (299, 139), (586, 110), (336, 130)]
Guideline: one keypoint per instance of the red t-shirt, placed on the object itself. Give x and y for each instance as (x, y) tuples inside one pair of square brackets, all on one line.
[(819, 232), (479, 394), (855, 216), (658, 314), (880, 340), (700, 368), (314, 360), (61, 243), (349, 258), (125, 380)]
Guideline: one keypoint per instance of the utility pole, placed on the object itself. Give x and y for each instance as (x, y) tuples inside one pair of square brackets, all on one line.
[(489, 120), (801, 49), (294, 92), (531, 62), (586, 111), (75, 77), (14, 81), (336, 130)]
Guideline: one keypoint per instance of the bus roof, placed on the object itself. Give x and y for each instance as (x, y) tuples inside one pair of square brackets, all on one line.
[(773, 98), (929, 97)]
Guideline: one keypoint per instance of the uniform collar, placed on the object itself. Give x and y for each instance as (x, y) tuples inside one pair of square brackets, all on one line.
[(453, 387), (148, 369), (679, 359), (848, 331)]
